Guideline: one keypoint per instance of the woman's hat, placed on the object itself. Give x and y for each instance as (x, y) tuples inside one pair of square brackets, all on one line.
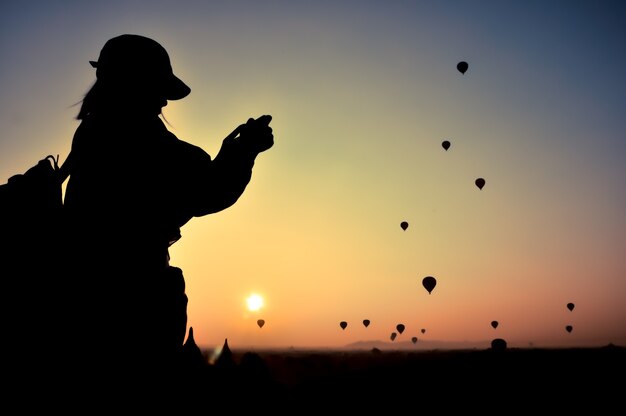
[(135, 57)]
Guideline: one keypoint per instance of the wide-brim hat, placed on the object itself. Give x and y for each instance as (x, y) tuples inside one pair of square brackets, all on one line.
[(128, 57)]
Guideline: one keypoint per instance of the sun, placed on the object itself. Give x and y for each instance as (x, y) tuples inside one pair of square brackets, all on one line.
[(255, 302)]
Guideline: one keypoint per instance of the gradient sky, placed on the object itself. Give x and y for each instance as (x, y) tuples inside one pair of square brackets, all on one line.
[(362, 95)]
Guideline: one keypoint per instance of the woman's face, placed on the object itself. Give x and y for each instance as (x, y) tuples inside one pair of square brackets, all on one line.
[(142, 98), (154, 104)]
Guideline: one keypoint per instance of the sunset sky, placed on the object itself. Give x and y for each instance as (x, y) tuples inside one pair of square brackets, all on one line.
[(362, 94)]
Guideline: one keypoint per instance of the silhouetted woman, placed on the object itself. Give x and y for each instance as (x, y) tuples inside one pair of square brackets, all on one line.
[(132, 186)]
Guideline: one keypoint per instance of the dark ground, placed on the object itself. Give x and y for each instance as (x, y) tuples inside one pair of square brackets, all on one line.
[(506, 381), (297, 382)]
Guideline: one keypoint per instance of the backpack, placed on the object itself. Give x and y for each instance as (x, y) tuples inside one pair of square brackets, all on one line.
[(31, 244), (33, 196), (31, 205)]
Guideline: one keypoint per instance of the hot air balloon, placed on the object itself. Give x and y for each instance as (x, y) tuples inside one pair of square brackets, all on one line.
[(462, 67), (423, 330), (569, 328), (480, 182), (400, 328), (429, 283), (404, 225), (260, 323), (414, 340), (494, 324), (393, 336), (343, 324), (498, 344), (570, 306), (366, 322), (445, 144)]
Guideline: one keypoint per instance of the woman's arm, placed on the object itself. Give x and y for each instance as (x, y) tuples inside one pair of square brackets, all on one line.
[(219, 183)]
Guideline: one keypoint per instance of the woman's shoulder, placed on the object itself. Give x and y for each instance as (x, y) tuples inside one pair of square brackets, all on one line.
[(186, 149)]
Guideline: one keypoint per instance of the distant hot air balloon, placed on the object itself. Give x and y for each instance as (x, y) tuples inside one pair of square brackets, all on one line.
[(343, 324), (393, 336), (480, 182), (429, 283), (498, 344), (570, 306), (462, 67), (414, 340), (400, 328), (569, 328), (494, 324), (445, 144), (423, 330), (404, 225), (260, 323), (366, 322)]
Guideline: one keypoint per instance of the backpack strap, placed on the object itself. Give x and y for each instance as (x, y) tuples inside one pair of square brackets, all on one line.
[(55, 161), (64, 169)]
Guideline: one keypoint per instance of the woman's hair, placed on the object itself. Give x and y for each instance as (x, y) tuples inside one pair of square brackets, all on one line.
[(102, 97), (89, 102)]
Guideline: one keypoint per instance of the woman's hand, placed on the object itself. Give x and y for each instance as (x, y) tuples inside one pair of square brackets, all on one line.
[(256, 134)]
